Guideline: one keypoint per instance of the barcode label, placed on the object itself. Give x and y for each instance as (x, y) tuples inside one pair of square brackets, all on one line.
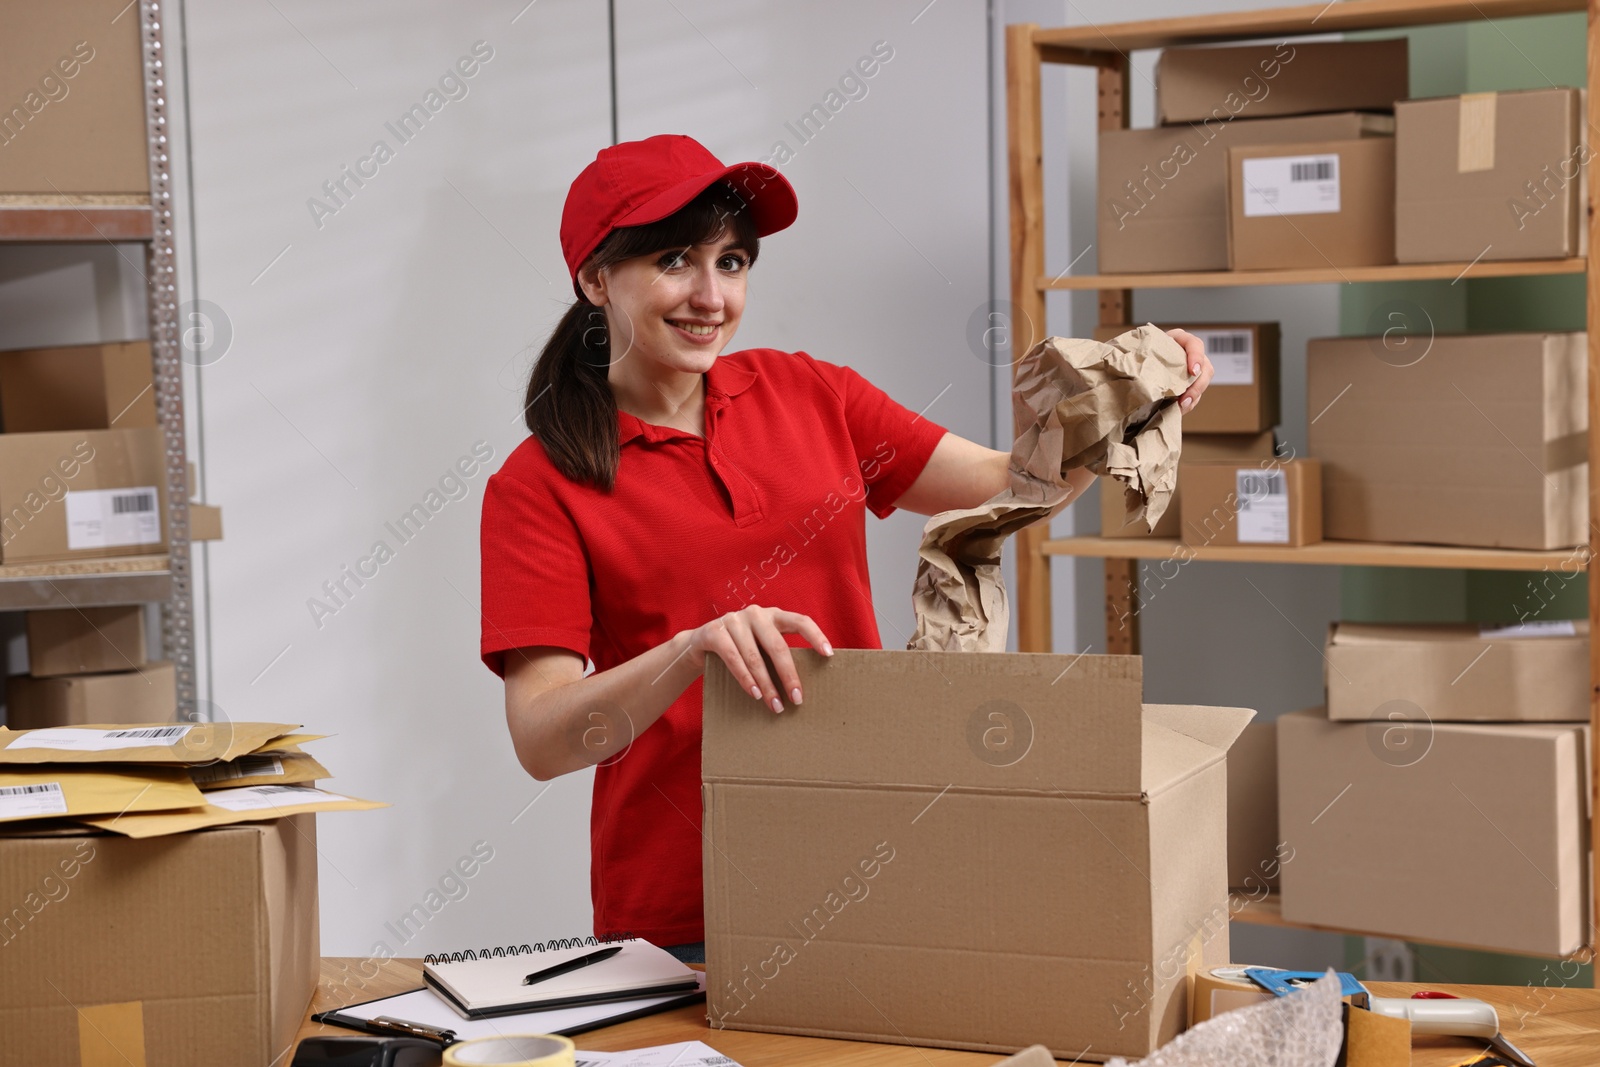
[(1265, 483), (260, 797), (109, 518), (1291, 185), (243, 767), (151, 731), (84, 739), (1317, 171), (1263, 499), (30, 801), (1232, 353)]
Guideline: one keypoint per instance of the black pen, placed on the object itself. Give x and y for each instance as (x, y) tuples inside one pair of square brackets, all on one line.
[(572, 965), (387, 1024)]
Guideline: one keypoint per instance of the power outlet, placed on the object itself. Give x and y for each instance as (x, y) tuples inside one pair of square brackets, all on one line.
[(1387, 960)]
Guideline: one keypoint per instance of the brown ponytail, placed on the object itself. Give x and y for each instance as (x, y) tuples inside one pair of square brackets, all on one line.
[(569, 405)]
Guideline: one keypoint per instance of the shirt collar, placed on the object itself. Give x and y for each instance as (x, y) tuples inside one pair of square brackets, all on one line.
[(724, 380)]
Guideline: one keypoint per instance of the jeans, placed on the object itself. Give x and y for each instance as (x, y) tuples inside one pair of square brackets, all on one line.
[(694, 952)]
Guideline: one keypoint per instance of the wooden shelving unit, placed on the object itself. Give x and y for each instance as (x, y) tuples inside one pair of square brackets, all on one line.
[(1105, 49), (1346, 553), (146, 220), (1400, 272), (75, 218)]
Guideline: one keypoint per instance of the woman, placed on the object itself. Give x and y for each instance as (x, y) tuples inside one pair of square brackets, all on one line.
[(674, 503)]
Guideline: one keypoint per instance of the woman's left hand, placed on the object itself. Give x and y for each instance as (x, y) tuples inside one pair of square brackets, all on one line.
[(1199, 363)]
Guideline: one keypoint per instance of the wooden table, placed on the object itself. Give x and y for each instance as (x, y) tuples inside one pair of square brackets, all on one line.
[(1556, 1027)]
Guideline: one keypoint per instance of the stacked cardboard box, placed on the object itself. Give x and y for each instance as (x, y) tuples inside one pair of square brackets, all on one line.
[(1395, 798), (1477, 439), (1164, 192), (1462, 672), (88, 665), (156, 876), (82, 476), (1233, 422), (1300, 78), (1274, 502), (1491, 176), (72, 78), (1463, 833), (1315, 204), (81, 458)]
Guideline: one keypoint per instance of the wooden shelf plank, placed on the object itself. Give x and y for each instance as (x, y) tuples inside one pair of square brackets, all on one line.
[(1346, 553), (1268, 911), (84, 582), (26, 218), (1395, 272), (1318, 17)]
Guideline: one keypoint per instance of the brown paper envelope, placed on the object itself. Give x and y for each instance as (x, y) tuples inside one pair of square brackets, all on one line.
[(46, 790), (225, 806), (173, 742), (279, 767), (288, 741)]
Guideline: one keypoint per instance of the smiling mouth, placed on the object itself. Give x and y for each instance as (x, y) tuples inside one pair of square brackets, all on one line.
[(696, 328)]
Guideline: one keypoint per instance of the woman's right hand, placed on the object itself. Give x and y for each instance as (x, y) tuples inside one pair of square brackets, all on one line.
[(738, 639)]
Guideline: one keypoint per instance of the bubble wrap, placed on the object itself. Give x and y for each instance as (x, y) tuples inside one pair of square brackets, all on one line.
[(1303, 1029)]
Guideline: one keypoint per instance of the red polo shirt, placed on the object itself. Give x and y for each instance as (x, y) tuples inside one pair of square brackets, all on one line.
[(768, 508)]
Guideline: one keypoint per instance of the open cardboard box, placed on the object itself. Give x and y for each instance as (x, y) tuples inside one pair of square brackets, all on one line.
[(978, 851)]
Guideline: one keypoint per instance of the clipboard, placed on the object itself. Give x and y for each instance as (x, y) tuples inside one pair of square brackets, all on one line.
[(423, 1005)]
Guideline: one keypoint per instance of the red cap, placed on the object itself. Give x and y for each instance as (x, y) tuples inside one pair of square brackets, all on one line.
[(638, 182)]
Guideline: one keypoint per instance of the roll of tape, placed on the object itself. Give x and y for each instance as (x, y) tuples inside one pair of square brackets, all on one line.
[(516, 1050)]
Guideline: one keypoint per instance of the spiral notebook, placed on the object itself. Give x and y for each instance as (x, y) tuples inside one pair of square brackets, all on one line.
[(485, 987)]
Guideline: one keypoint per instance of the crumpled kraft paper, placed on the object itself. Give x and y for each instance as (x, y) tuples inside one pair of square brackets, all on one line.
[(1108, 407)]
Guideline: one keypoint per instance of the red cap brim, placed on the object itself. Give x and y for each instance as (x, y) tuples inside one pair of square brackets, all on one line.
[(766, 192)]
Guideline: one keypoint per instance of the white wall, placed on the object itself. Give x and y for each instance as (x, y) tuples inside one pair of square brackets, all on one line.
[(372, 351)]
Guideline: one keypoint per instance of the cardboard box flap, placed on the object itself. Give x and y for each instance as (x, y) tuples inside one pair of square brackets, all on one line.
[(1025, 722), (1180, 739)]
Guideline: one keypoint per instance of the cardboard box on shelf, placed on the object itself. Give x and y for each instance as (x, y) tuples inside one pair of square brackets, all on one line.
[(1274, 502), (205, 522), (1298, 78), (1467, 439), (86, 640), (78, 387), (1253, 857), (72, 78), (202, 947), (915, 791), (1534, 673), (1490, 176), (1163, 191), (81, 495), (1197, 448), (1243, 396), (1461, 833), (149, 694), (1311, 205)]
